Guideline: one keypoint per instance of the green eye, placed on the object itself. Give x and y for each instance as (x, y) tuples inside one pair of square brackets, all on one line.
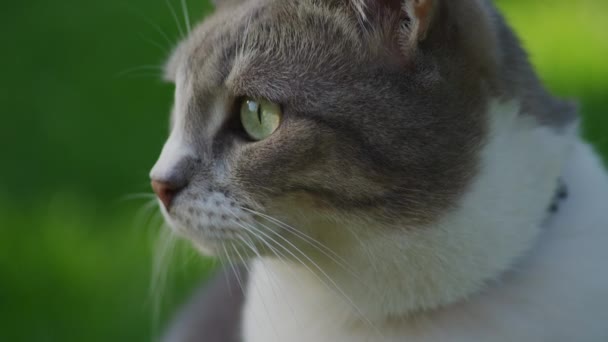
[(260, 118)]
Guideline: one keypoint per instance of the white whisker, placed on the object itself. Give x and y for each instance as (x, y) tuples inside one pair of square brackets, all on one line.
[(273, 280), (223, 263), (234, 270), (175, 18), (146, 214), (363, 246), (150, 22), (186, 15), (163, 34), (257, 290), (165, 250), (345, 266), (311, 241), (251, 245), (318, 245), (152, 42), (331, 281)]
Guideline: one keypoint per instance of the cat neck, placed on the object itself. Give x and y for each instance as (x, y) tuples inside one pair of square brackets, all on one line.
[(400, 272)]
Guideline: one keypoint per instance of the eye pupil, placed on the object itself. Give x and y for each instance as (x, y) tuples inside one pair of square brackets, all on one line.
[(260, 118)]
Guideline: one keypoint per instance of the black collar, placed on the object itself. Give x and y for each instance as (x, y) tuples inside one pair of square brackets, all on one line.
[(561, 194)]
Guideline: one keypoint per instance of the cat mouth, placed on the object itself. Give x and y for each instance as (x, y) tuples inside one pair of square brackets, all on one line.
[(215, 240), (219, 228), (212, 233)]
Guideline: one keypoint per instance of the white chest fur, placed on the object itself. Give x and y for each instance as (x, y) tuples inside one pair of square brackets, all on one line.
[(558, 292)]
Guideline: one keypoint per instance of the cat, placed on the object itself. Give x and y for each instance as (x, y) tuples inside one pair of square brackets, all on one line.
[(381, 170)]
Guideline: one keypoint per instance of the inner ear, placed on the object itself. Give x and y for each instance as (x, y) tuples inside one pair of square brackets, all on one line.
[(420, 13), (416, 17)]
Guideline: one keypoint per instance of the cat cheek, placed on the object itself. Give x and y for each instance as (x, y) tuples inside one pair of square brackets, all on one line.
[(211, 218)]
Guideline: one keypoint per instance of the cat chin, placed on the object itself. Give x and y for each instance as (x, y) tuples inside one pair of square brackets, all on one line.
[(219, 242), (223, 249)]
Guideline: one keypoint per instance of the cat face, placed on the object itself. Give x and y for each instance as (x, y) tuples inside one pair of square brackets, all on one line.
[(377, 122)]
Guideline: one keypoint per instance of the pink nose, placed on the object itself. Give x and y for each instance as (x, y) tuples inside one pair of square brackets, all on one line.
[(166, 191)]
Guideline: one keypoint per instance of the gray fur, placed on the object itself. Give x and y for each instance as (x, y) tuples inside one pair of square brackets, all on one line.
[(341, 86), (375, 127)]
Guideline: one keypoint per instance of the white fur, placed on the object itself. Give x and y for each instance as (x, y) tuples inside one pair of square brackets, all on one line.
[(174, 150), (495, 269), (177, 146)]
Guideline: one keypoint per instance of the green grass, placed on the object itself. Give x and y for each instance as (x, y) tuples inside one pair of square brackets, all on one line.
[(78, 134), (568, 43), (74, 270)]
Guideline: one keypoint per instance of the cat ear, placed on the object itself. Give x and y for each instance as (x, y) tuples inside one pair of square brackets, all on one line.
[(415, 17), (420, 14)]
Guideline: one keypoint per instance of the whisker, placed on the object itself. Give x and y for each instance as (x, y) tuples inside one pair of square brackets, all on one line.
[(331, 281), (252, 247), (150, 22), (157, 220), (152, 42), (234, 270), (165, 249), (363, 246), (274, 280), (145, 214), (290, 228), (311, 241), (318, 245), (186, 15), (252, 230), (223, 260), (270, 320), (175, 18), (346, 267)]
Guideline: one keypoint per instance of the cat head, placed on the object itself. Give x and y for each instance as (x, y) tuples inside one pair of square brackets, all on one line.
[(297, 120)]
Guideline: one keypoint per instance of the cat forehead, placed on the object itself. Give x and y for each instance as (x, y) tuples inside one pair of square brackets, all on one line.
[(304, 48), (258, 34)]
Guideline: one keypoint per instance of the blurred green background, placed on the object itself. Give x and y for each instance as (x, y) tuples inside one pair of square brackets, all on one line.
[(84, 116)]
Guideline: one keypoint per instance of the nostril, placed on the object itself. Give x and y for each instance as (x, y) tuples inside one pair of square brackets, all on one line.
[(166, 191)]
